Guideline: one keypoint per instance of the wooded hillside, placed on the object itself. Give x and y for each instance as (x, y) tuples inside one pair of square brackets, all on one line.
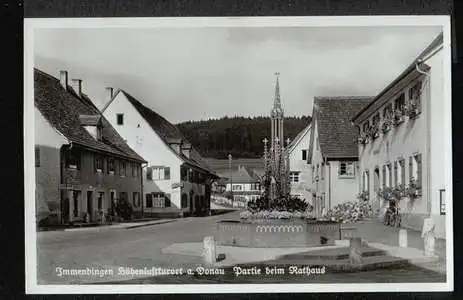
[(239, 136)]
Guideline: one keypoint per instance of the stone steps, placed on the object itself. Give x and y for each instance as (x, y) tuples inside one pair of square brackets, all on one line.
[(334, 254), (369, 263)]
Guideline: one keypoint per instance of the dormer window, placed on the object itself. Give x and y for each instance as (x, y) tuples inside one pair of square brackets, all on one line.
[(92, 123)]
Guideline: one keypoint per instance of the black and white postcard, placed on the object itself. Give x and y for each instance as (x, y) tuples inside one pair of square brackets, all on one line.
[(231, 155)]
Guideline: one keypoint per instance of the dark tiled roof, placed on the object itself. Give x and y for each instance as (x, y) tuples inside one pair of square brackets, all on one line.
[(90, 120), (336, 133), (64, 110), (244, 175), (168, 132)]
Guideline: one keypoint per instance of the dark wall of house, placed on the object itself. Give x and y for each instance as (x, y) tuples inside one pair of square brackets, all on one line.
[(47, 178)]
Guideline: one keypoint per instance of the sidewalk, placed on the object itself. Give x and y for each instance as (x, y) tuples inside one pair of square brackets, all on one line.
[(387, 238), (128, 225)]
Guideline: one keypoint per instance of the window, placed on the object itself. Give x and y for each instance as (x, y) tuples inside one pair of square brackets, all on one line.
[(183, 174), (304, 154), (387, 112), (346, 169), (120, 119), (149, 173), (158, 200), (366, 127), (294, 176), (415, 168), (402, 171), (37, 156), (400, 102), (122, 168), (414, 96), (366, 181), (322, 171), (236, 187), (98, 164), (396, 170), (134, 170), (73, 159), (149, 200), (184, 203), (376, 119), (111, 165), (161, 173), (384, 176), (389, 174)]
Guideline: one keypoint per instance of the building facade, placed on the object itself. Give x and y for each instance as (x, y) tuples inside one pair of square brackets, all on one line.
[(244, 186), (83, 167), (333, 153), (300, 170), (401, 140), (177, 181)]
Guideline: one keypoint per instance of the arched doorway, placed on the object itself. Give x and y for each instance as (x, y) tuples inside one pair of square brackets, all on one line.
[(376, 185)]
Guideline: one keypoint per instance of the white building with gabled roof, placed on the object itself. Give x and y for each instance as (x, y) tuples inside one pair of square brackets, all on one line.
[(176, 180)]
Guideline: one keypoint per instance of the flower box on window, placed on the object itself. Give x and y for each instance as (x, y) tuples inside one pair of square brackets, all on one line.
[(363, 139), (398, 117), (386, 125), (374, 131), (412, 110)]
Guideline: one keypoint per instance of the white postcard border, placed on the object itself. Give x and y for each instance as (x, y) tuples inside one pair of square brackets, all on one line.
[(332, 21)]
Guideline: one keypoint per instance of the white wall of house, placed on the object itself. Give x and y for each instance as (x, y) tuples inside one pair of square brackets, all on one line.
[(300, 165), (440, 144), (144, 140), (340, 188), (317, 184), (410, 138), (48, 142)]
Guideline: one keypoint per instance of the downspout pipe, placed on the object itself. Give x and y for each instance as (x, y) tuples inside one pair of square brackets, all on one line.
[(428, 141), (143, 166)]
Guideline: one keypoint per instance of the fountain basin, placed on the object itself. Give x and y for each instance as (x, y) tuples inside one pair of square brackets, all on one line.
[(276, 233)]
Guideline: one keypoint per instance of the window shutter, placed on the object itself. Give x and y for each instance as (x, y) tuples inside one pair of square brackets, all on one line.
[(149, 173), (395, 173), (167, 200), (419, 170), (410, 168), (384, 176), (37, 156), (167, 173)]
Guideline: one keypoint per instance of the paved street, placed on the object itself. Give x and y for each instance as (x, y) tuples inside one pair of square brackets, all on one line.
[(111, 248)]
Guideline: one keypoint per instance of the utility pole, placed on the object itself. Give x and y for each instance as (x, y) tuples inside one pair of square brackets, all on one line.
[(231, 180)]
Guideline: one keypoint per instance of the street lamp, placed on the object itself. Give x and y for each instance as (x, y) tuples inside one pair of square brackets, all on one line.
[(231, 180)]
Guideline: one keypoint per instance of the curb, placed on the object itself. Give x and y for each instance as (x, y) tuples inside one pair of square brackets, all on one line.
[(151, 224)]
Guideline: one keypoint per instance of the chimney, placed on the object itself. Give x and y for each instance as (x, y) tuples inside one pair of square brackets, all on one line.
[(77, 86), (109, 94), (175, 144), (63, 79), (186, 149)]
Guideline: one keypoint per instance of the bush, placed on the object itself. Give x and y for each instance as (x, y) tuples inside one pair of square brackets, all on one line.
[(293, 204), (124, 209), (274, 214)]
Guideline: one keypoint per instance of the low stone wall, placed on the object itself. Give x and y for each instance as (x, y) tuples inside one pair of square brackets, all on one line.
[(277, 233)]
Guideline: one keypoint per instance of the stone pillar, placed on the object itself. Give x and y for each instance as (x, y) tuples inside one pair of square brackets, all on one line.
[(428, 236), (403, 238), (209, 250), (355, 254)]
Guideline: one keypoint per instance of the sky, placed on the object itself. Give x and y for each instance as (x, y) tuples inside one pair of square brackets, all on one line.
[(200, 73)]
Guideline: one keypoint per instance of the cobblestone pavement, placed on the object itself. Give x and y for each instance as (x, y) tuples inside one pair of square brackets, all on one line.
[(141, 247)]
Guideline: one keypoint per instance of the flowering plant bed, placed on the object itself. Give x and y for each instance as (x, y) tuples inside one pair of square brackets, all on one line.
[(274, 214), (350, 212)]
